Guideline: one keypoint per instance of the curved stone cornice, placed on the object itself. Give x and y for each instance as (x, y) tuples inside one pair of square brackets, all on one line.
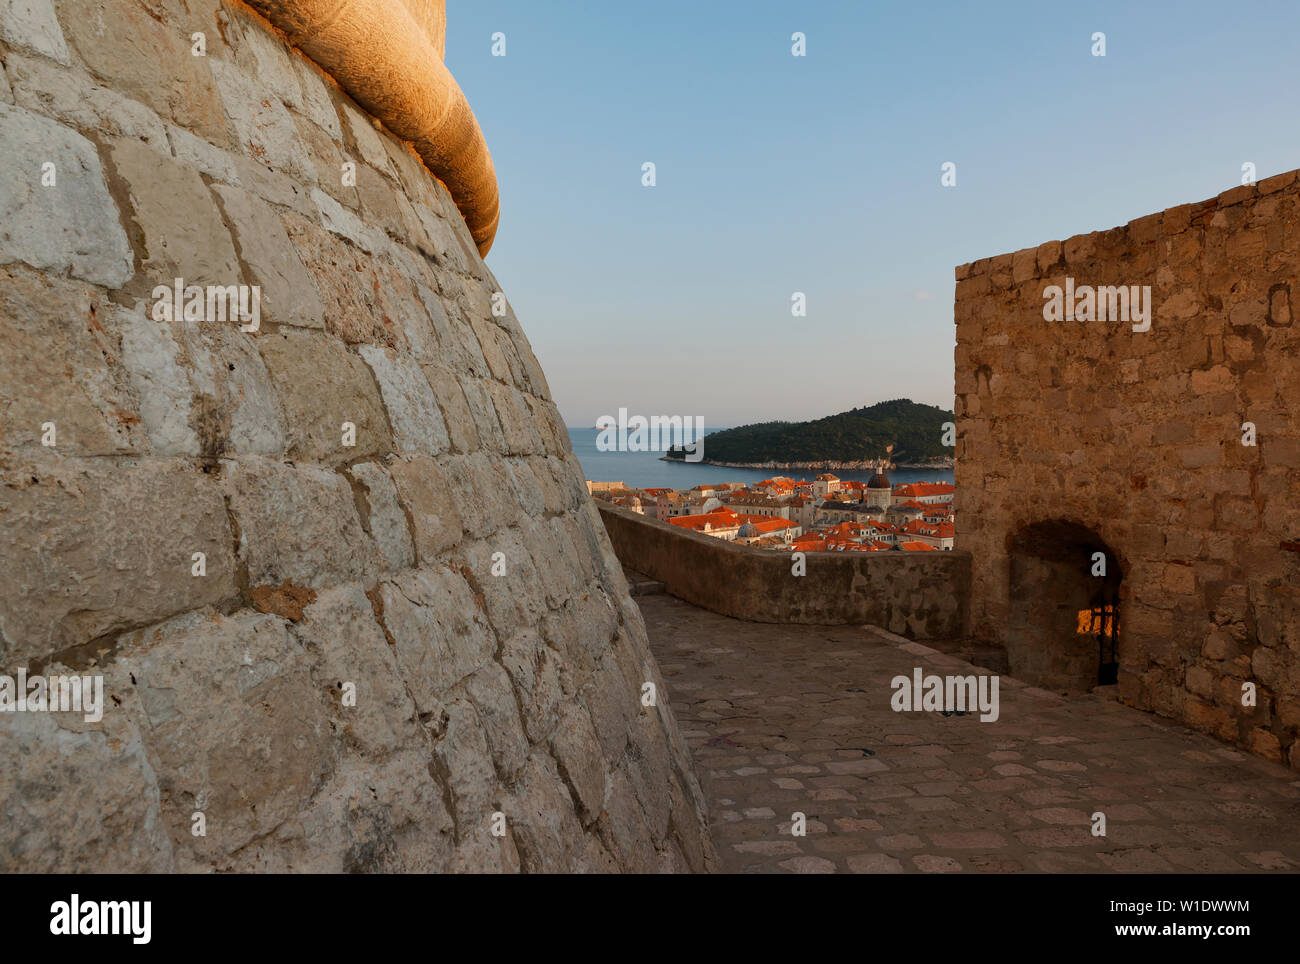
[(387, 55)]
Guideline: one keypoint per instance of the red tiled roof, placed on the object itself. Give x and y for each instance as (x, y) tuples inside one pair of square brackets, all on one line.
[(936, 530), (914, 489), (719, 519)]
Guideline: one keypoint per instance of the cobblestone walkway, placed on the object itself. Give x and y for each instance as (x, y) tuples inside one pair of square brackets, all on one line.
[(797, 718)]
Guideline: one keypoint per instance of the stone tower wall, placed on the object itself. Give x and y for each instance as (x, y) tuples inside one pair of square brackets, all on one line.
[(448, 566), (1137, 438)]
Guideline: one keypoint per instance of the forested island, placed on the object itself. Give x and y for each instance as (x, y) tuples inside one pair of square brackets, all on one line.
[(848, 440)]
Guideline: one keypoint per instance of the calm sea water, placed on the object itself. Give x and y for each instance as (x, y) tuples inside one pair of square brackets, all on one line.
[(645, 470)]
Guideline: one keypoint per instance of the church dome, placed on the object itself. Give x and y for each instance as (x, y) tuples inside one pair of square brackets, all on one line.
[(747, 531), (879, 481)]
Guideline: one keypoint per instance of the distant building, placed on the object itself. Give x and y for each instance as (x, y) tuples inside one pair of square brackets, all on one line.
[(672, 505), (755, 503), (902, 514), (802, 509), (936, 535), (825, 484), (853, 511), (927, 493), (721, 525), (630, 502), (756, 528), (878, 489)]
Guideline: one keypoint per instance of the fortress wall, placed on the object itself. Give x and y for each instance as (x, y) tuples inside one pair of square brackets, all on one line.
[(1137, 438), (440, 558), (921, 595)]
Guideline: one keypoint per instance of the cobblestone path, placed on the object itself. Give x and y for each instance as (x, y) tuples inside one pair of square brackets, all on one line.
[(797, 718)]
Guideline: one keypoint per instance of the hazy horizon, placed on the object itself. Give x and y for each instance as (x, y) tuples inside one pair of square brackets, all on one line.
[(821, 174)]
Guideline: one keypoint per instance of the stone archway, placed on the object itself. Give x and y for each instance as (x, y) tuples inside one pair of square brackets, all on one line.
[(1063, 624)]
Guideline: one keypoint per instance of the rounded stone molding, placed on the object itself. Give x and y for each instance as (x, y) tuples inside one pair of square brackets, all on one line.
[(388, 56)]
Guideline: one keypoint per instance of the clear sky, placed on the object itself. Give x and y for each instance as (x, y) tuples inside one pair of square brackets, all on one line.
[(821, 174)]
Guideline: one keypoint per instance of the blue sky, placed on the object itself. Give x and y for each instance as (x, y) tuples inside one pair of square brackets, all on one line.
[(821, 174)]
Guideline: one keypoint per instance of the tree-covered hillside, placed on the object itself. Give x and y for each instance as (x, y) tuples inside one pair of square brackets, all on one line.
[(915, 431)]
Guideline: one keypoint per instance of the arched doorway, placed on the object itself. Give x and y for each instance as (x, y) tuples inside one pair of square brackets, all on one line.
[(1064, 621)]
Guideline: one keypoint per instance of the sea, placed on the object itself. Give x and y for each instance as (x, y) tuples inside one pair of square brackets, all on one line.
[(647, 470)]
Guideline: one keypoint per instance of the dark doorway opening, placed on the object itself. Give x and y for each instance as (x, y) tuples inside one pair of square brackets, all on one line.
[(1064, 622)]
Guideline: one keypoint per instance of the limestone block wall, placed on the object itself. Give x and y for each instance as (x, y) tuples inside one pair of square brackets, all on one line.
[(381, 490), (1082, 436), (922, 595)]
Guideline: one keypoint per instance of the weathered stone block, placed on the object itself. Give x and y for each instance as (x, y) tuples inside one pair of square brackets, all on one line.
[(265, 130), (258, 54), (558, 578), (233, 724), (151, 355), (148, 61), (288, 295), (548, 835), (384, 517), (461, 433), (70, 224), (428, 502), (1024, 265), (466, 768), (439, 632), (403, 312), (534, 670), (368, 818), (613, 703), (412, 407), (346, 644), (236, 409), (369, 143), (32, 24), (318, 98), (493, 695), (379, 203), (199, 154), (461, 351), (524, 485), (316, 410), (328, 161), (297, 524), (74, 98), (626, 824), (506, 577), (183, 235), (274, 187), (486, 423), (62, 367), (340, 277), (81, 565), (57, 820), (339, 220)]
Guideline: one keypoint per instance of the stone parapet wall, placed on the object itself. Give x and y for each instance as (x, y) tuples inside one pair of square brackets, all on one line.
[(1137, 437), (447, 567), (921, 595)]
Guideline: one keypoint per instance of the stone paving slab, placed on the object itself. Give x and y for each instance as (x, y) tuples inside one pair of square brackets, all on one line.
[(784, 719)]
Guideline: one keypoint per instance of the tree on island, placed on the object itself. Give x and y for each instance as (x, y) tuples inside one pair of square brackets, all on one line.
[(914, 431)]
